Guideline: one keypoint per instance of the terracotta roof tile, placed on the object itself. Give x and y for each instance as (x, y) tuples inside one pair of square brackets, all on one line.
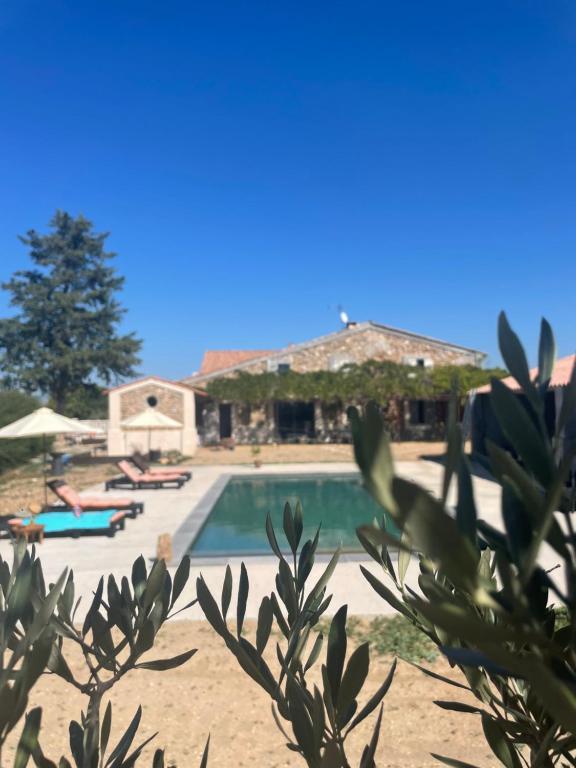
[(560, 376), (218, 359)]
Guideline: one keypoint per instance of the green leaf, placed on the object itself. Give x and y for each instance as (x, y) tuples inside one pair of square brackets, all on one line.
[(315, 652), (336, 653), (226, 591), (373, 454), (204, 762), (458, 706), (466, 506), (432, 531), (436, 676), (546, 354), (180, 579), (404, 558), (353, 680), (499, 742), (159, 665), (210, 607), (514, 356), (519, 428), (367, 760), (264, 627), (369, 547), (272, 537), (384, 592), (105, 729), (139, 577), (121, 749), (374, 700), (44, 614), (298, 522), (323, 580), (452, 762), (288, 524), (29, 738), (154, 584), (243, 588), (453, 449)]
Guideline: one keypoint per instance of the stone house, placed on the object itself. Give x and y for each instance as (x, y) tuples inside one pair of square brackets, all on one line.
[(295, 421), (174, 400)]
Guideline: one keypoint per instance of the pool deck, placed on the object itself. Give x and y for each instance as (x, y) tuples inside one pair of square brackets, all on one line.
[(181, 513)]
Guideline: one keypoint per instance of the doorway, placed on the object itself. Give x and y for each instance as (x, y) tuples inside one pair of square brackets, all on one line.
[(225, 413)]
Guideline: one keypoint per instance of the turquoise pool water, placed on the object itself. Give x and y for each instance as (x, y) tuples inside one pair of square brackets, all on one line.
[(235, 525)]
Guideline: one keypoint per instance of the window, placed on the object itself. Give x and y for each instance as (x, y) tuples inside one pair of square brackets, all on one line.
[(244, 415), (283, 367), (418, 362), (338, 361)]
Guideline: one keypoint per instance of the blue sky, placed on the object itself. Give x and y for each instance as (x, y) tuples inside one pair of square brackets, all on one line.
[(259, 164)]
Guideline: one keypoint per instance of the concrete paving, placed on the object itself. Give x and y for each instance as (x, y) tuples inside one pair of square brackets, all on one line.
[(170, 511)]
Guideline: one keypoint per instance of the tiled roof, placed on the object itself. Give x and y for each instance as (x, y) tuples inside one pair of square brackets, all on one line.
[(219, 359), (561, 374)]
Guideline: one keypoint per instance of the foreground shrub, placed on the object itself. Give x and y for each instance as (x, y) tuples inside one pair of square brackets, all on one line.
[(120, 626), (484, 598), (321, 719)]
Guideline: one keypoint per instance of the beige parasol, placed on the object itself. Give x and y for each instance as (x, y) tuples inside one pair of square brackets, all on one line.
[(150, 419), (42, 423)]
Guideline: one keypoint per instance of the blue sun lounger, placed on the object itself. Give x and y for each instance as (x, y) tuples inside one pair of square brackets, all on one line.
[(66, 523)]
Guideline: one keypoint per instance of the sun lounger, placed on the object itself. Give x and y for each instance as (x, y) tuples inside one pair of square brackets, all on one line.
[(141, 464), (132, 478), (72, 499), (66, 523)]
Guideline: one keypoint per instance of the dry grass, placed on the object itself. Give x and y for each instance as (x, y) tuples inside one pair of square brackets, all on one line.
[(284, 454)]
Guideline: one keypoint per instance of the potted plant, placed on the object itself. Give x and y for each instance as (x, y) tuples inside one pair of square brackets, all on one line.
[(255, 449)]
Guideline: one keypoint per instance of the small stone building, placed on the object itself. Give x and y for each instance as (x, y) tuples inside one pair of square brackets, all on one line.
[(173, 399), (294, 421), (485, 427)]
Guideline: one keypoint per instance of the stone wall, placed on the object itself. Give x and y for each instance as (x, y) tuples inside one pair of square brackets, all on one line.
[(256, 424), (134, 401), (366, 344), (173, 400)]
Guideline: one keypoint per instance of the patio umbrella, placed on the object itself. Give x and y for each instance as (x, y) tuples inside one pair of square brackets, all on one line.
[(43, 423), (150, 419)]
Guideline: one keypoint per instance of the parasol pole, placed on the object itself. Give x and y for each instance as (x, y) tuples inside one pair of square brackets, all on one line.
[(44, 469)]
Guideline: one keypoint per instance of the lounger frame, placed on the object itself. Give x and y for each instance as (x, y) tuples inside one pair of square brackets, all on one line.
[(140, 464), (123, 481), (132, 509)]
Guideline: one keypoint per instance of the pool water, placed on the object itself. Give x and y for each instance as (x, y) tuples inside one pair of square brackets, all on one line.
[(236, 524)]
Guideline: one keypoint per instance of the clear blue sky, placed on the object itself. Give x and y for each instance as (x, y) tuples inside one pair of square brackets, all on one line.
[(260, 163)]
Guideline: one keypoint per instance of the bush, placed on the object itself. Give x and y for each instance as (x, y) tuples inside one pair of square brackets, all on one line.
[(121, 625), (484, 598), (13, 453)]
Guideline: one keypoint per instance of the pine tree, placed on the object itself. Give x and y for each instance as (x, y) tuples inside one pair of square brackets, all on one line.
[(64, 335)]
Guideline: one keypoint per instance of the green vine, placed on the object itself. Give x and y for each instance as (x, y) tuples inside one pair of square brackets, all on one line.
[(369, 381)]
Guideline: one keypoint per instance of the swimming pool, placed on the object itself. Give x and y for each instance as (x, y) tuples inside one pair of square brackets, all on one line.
[(235, 525)]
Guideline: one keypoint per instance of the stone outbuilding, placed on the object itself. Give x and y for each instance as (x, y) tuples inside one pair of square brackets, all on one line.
[(169, 398)]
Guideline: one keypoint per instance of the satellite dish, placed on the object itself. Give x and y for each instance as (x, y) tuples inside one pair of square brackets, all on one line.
[(344, 318)]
